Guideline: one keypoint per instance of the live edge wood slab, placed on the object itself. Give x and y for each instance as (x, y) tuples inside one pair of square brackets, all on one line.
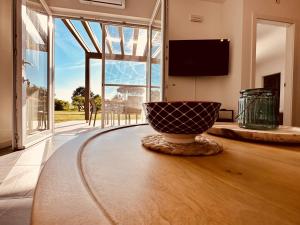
[(283, 134), (112, 179)]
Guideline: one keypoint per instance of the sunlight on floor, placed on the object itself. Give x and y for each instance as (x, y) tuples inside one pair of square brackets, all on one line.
[(19, 172)]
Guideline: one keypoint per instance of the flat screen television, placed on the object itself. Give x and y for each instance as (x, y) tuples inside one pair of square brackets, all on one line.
[(198, 57)]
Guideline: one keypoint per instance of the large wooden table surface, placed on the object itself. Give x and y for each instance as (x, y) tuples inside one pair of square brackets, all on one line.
[(114, 180)]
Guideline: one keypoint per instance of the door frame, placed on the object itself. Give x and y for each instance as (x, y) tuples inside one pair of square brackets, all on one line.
[(20, 140), (289, 61)]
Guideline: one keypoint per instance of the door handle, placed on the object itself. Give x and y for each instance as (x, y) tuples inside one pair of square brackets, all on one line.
[(24, 62)]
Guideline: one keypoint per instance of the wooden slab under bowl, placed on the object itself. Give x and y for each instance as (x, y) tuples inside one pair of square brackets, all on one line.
[(284, 134)]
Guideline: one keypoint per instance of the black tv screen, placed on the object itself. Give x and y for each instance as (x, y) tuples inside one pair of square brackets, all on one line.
[(198, 57)]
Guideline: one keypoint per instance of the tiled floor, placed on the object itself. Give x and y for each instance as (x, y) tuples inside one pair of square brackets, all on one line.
[(19, 172), (8, 159)]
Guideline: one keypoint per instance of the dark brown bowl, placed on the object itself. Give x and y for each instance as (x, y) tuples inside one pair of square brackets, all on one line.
[(190, 117)]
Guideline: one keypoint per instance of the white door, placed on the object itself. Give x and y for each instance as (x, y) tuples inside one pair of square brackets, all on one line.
[(33, 73)]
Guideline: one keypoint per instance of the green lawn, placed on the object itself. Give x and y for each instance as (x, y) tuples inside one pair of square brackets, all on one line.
[(62, 116)]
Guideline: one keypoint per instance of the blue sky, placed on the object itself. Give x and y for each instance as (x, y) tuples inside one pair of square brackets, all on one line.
[(70, 65)]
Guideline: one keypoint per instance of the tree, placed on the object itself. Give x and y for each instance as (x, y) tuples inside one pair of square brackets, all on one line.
[(78, 101), (61, 105), (80, 91), (98, 101), (78, 97)]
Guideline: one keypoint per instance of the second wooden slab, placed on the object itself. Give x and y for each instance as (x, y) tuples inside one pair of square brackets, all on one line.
[(284, 134)]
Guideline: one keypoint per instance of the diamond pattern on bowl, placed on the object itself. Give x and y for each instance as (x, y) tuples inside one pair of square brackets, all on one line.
[(182, 117)]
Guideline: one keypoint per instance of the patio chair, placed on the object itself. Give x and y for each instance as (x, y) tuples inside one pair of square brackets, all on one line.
[(133, 106), (94, 109), (112, 109)]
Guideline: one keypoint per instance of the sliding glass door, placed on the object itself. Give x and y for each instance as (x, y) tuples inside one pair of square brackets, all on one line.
[(33, 89), (155, 66), (155, 57)]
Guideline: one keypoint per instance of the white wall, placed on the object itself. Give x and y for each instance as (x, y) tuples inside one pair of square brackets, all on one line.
[(232, 19), (183, 88), (286, 10), (6, 73), (220, 20), (232, 15), (270, 55)]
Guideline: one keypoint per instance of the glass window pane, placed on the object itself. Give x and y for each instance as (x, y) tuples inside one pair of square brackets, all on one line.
[(156, 44), (113, 37), (128, 40), (65, 41), (35, 61), (79, 27), (96, 28), (141, 42), (155, 94), (96, 76), (125, 72), (156, 75)]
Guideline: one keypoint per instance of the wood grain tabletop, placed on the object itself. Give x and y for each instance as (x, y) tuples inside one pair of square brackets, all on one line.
[(112, 179)]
